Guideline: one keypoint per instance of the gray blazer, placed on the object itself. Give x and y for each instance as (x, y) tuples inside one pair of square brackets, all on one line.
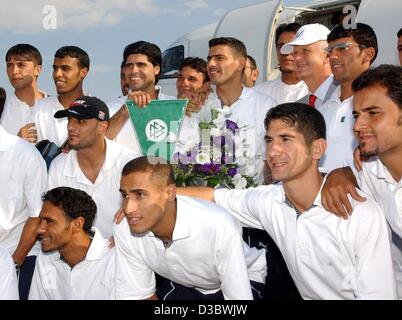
[(329, 93)]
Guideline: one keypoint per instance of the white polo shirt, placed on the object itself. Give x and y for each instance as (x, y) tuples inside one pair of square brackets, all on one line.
[(91, 279), (249, 113), (23, 178), (341, 142), (16, 114), (206, 254), (47, 126), (282, 92), (328, 257), (8, 277), (375, 180), (65, 171), (127, 135)]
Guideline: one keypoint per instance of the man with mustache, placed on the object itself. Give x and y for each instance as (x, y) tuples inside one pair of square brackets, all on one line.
[(350, 52), (289, 88), (377, 109), (94, 163)]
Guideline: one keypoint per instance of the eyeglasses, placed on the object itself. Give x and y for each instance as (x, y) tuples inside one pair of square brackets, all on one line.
[(342, 47)]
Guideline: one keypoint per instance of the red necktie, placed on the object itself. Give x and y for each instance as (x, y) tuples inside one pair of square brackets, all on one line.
[(311, 100)]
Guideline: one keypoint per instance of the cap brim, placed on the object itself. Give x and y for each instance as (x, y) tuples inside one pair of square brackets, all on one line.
[(61, 114), (287, 48), (73, 114)]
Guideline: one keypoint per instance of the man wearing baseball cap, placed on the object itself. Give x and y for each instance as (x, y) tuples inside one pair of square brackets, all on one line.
[(312, 63), (94, 163)]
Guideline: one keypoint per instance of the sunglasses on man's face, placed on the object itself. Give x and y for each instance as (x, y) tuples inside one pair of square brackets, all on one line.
[(342, 47)]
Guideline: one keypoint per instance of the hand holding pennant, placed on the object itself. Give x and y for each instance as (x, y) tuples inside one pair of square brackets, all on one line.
[(157, 126)]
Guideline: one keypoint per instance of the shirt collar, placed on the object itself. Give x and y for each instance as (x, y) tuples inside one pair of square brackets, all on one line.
[(72, 165), (181, 229), (381, 172), (97, 248), (281, 198), (245, 95)]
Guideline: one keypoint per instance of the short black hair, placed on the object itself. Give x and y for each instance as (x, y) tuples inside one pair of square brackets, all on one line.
[(290, 27), (197, 64), (151, 50), (26, 52), (385, 75), (307, 120), (75, 203), (363, 34), (399, 34), (158, 167), (74, 52), (253, 64), (233, 43)]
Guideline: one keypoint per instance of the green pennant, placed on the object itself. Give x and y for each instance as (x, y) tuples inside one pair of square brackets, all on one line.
[(157, 126)]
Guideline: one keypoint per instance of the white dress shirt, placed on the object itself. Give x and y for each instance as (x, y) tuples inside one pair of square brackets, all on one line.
[(47, 126), (23, 178), (16, 114), (341, 142), (282, 92), (206, 254), (65, 171), (328, 257), (91, 279), (375, 180), (8, 277)]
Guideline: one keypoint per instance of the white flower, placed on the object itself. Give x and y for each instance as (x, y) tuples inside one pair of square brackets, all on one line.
[(189, 144), (236, 177), (202, 158), (225, 110), (239, 181), (171, 138), (216, 154), (219, 122)]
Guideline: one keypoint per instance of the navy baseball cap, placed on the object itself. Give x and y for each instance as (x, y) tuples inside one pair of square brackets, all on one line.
[(85, 107)]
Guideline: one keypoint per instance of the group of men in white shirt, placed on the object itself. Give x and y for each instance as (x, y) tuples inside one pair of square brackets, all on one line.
[(94, 163)]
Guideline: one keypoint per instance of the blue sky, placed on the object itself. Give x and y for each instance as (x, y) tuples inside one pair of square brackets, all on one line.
[(102, 28)]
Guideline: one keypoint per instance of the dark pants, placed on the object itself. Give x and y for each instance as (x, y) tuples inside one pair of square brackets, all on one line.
[(169, 290), (25, 277), (279, 284)]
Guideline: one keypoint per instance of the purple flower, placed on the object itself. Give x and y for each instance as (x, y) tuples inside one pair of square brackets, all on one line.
[(204, 168), (209, 168), (232, 172), (231, 125), (216, 168)]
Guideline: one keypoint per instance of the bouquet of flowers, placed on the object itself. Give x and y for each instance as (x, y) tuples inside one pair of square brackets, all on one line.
[(216, 161)]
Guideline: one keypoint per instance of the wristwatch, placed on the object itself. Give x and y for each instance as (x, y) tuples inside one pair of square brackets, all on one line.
[(17, 267)]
